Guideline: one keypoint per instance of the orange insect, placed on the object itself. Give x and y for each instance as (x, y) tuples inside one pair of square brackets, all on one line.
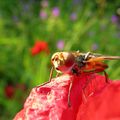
[(77, 62)]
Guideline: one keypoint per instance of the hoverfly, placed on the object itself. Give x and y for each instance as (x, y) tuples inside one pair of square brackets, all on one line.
[(79, 63)]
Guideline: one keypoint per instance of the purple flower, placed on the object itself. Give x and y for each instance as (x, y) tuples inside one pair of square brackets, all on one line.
[(26, 7), (15, 19), (114, 19), (73, 16), (94, 46), (43, 14), (55, 11), (44, 3), (76, 1), (60, 44)]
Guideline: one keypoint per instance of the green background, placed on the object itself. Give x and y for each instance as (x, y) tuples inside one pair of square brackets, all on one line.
[(80, 24)]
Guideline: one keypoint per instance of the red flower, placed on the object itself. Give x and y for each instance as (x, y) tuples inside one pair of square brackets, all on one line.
[(103, 105), (97, 101), (39, 47), (9, 91)]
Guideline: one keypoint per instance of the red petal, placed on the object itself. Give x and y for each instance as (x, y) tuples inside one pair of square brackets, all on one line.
[(39, 47), (50, 101), (35, 50), (9, 91), (20, 115), (103, 105)]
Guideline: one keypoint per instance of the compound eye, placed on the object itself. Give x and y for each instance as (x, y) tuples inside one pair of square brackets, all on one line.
[(56, 57), (52, 59), (57, 68)]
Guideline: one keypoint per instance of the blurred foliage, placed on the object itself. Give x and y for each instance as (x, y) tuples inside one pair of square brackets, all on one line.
[(80, 24)]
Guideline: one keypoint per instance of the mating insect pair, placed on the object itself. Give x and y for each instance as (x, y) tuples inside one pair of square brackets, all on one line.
[(79, 63)]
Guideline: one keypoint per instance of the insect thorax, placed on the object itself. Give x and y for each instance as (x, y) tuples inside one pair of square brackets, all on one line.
[(80, 60)]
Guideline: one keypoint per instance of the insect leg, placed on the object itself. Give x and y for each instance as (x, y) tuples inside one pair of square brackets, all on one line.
[(70, 87), (51, 73), (84, 96), (106, 77), (83, 89), (88, 81), (57, 75)]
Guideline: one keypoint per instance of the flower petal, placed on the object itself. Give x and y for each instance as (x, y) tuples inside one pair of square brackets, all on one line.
[(91, 98), (50, 101), (39, 47), (103, 105)]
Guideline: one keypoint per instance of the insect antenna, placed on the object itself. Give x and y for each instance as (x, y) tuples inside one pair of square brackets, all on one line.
[(51, 73)]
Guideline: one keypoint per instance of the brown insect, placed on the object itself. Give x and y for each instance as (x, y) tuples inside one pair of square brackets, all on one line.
[(78, 63)]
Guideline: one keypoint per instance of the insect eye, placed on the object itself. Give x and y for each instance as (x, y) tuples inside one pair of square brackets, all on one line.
[(52, 59), (56, 58), (57, 68)]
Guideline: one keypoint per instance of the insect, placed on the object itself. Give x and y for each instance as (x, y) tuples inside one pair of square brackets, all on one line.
[(79, 63)]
